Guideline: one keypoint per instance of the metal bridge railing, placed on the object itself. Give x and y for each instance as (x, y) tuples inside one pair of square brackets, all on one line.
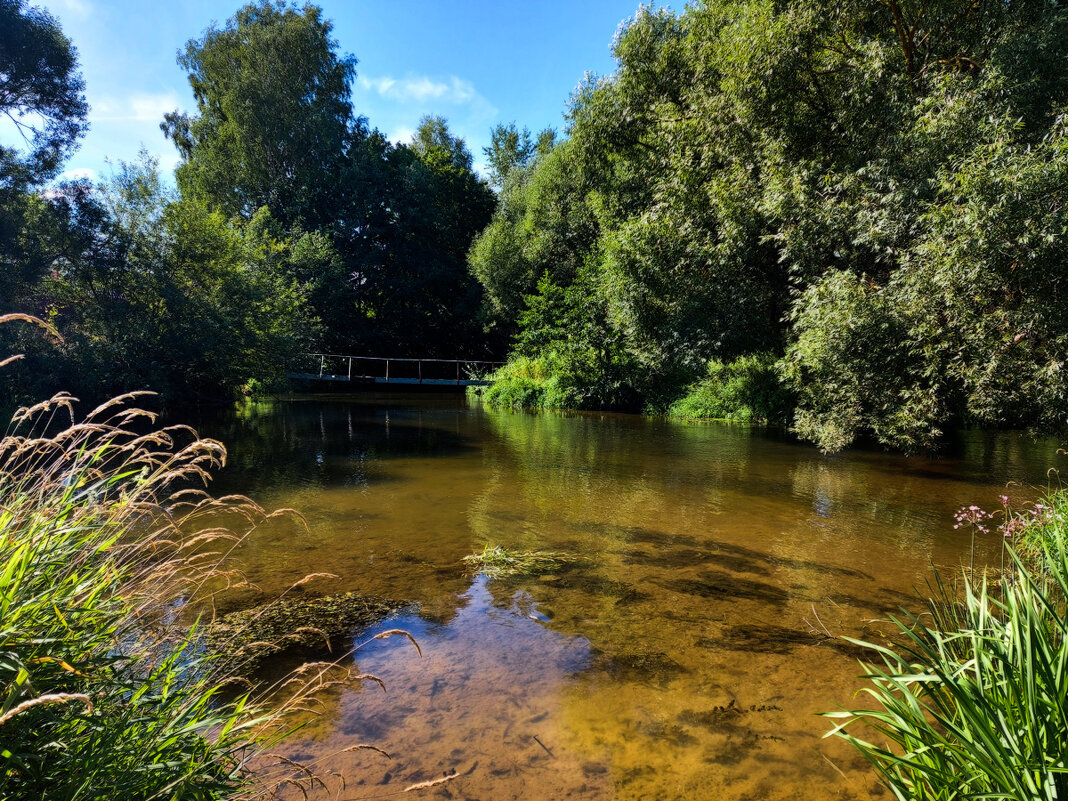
[(390, 370)]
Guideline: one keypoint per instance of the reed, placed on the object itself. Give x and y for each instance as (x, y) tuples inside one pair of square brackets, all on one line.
[(972, 701), (109, 544)]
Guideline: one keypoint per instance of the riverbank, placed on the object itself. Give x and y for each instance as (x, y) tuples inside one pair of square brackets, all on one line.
[(748, 389)]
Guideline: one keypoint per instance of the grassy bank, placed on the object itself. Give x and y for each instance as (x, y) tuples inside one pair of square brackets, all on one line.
[(558, 379), (747, 389)]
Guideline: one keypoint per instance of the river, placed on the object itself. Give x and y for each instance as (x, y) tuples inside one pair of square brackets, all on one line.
[(684, 656)]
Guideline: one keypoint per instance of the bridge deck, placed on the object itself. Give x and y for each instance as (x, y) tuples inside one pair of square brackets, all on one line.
[(387, 370)]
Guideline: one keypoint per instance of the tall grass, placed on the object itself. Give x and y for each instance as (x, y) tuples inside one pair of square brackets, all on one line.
[(106, 540), (973, 702), (526, 382)]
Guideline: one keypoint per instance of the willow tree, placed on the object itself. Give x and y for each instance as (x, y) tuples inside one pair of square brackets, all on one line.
[(873, 190)]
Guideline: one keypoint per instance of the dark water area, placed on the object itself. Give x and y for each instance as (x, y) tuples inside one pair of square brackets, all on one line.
[(684, 656)]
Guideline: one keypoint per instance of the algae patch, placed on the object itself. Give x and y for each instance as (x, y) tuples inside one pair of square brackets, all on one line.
[(297, 622)]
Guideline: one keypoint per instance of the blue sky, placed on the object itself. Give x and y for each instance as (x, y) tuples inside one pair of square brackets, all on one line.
[(476, 62)]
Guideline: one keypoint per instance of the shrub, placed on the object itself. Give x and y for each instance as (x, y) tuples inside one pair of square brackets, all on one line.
[(744, 390), (559, 379)]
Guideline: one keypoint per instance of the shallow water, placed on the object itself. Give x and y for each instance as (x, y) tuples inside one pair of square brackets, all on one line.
[(684, 657)]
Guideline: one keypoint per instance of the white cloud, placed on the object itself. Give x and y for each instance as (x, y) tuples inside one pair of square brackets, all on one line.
[(80, 173), (395, 105), (137, 107), (423, 90), (401, 135)]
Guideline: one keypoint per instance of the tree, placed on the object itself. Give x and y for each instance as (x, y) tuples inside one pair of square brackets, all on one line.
[(41, 93), (511, 148), (153, 292), (274, 121), (873, 190), (379, 231), (508, 148), (414, 290), (433, 143), (544, 224)]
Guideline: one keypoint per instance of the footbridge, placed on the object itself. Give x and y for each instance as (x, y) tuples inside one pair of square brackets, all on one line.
[(388, 370)]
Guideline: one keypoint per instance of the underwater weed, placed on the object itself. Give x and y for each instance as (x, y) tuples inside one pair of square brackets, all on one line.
[(496, 561)]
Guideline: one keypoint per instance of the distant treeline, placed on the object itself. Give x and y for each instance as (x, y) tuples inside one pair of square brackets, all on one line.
[(850, 216), (295, 226)]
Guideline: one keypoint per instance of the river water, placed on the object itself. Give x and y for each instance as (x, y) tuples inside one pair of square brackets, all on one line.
[(685, 656)]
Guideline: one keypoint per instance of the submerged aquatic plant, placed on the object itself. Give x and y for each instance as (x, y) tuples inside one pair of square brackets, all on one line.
[(495, 561), (971, 704)]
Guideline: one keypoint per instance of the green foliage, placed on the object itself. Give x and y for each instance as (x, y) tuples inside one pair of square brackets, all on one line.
[(421, 296), (511, 149), (435, 144), (389, 226), (875, 190), (745, 390), (543, 224), (566, 354), (274, 120), (41, 93), (542, 382), (295, 228), (177, 298), (855, 368), (558, 380), (971, 705)]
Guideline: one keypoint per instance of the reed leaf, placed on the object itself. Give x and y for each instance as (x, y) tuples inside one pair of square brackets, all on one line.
[(973, 702)]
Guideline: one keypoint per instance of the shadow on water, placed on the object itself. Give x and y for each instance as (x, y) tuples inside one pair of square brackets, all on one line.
[(723, 586), (735, 557), (770, 639), (601, 587)]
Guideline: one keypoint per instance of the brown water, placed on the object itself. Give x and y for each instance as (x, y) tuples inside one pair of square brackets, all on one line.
[(686, 656)]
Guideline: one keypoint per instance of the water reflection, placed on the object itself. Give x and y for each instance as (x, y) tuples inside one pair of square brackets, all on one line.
[(686, 654), (485, 700)]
